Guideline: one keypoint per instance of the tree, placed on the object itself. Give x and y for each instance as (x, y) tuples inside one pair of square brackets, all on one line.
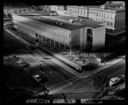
[(43, 80), (100, 83)]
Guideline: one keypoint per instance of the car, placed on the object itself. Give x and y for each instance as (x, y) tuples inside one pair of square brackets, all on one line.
[(23, 63), (37, 77), (113, 81)]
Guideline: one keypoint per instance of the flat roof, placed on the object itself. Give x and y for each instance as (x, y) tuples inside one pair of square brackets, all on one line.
[(85, 22), (63, 22)]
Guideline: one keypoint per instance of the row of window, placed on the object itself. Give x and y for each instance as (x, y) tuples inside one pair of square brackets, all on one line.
[(54, 30), (48, 28), (16, 11), (79, 12), (49, 34), (108, 23), (101, 15), (120, 23), (120, 20), (91, 13), (42, 38)]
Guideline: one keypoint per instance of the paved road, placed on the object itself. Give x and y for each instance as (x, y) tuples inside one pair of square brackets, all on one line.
[(75, 85), (81, 85), (54, 72), (115, 70), (59, 74)]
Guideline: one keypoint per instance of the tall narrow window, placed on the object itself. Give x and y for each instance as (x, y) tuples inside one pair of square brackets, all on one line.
[(89, 32)]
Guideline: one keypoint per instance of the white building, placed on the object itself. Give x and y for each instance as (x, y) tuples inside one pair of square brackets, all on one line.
[(67, 33)]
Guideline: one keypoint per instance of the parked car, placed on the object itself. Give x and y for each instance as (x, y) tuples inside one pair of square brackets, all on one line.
[(23, 63), (113, 81), (37, 77)]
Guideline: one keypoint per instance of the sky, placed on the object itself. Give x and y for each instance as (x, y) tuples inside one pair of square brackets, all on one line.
[(62, 2)]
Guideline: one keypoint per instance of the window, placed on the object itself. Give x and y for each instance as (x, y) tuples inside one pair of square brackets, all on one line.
[(19, 11), (89, 31), (96, 13), (39, 36), (111, 24), (36, 35), (15, 11), (102, 15), (107, 23), (89, 39)]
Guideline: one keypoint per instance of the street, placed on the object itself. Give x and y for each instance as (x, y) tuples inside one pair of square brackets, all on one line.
[(60, 79)]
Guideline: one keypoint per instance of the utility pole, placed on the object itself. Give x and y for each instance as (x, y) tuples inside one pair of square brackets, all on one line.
[(42, 82), (70, 43), (65, 98)]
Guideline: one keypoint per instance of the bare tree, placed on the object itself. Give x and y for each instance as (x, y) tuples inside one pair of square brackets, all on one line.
[(101, 83)]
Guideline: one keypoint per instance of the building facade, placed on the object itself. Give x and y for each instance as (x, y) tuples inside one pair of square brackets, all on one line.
[(59, 9), (114, 19), (16, 10), (78, 10), (68, 34), (113, 15)]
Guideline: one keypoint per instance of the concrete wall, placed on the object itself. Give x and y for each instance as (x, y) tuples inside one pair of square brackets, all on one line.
[(98, 38), (83, 38), (75, 38)]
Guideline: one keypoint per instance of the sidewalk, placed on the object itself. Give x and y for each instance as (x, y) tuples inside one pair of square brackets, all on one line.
[(61, 58)]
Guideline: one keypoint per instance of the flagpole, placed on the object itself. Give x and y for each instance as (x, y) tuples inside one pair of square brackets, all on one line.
[(70, 43)]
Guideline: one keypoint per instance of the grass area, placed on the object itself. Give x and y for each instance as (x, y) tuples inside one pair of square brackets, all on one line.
[(16, 77)]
